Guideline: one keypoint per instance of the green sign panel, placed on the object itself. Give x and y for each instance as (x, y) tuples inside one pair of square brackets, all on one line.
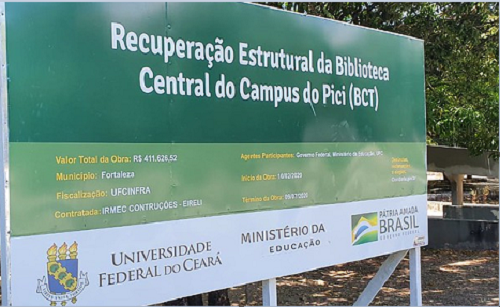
[(130, 113)]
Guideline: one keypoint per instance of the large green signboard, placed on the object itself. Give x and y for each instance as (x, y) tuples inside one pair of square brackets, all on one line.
[(136, 129)]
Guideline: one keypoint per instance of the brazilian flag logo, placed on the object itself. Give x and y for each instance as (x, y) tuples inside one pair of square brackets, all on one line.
[(364, 228)]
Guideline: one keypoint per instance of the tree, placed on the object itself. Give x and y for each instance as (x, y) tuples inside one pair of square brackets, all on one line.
[(461, 61)]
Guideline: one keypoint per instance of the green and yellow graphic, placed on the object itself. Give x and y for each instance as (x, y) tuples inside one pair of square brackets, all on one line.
[(140, 136), (364, 228)]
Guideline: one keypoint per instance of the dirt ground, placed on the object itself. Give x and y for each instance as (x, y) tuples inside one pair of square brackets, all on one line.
[(449, 278)]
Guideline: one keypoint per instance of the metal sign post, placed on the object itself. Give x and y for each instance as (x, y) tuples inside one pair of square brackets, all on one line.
[(269, 297), (415, 277), (383, 274), (4, 173)]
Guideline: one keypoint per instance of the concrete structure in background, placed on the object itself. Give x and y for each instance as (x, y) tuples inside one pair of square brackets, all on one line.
[(463, 234), (455, 163), (470, 226)]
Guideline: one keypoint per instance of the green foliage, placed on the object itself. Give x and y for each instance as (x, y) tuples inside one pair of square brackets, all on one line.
[(461, 67)]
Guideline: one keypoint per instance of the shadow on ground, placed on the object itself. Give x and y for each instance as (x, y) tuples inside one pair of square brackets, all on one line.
[(463, 278)]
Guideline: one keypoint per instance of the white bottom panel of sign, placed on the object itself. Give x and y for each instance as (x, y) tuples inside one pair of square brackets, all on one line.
[(152, 263)]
